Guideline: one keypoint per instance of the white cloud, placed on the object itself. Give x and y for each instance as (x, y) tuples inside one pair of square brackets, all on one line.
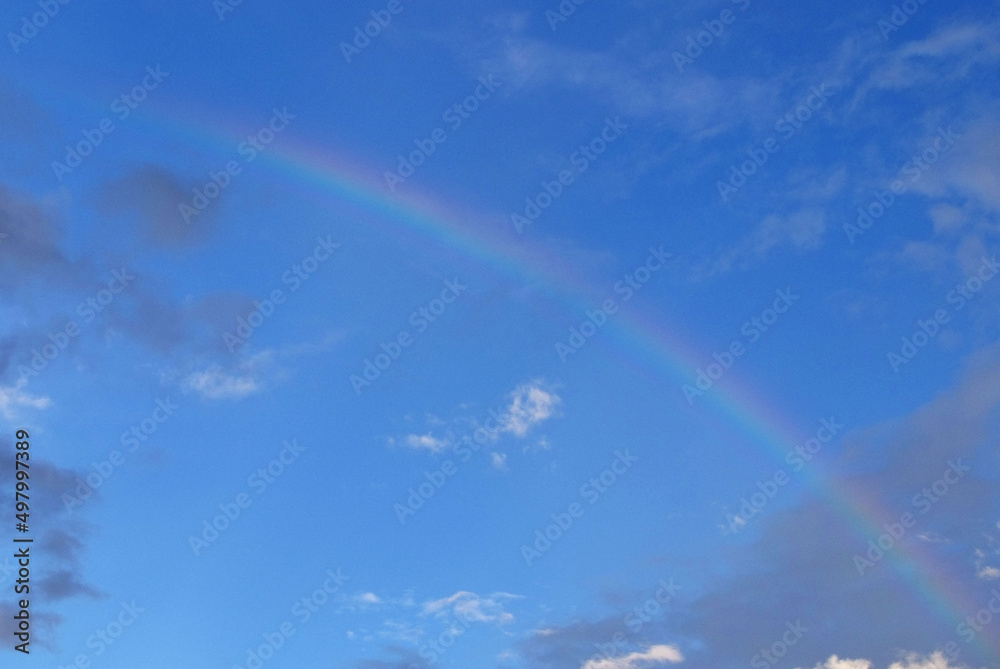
[(216, 383), (243, 380), (470, 607), (426, 442), (984, 571), (655, 655), (911, 661), (969, 169), (530, 405), (499, 461), (836, 663), (802, 230), (947, 218), (935, 661), (15, 396), (919, 62), (690, 101)]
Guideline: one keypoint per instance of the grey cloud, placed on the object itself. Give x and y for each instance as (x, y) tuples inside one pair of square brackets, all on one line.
[(44, 626), (150, 196), (799, 566), (64, 584), (60, 542)]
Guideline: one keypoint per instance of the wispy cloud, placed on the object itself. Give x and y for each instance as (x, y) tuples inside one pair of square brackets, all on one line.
[(802, 230), (471, 607), (655, 655), (243, 379), (12, 397), (426, 442)]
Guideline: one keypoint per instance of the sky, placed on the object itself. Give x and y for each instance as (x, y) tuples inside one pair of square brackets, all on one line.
[(501, 335)]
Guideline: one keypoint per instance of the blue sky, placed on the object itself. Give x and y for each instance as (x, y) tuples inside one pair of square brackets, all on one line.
[(515, 335)]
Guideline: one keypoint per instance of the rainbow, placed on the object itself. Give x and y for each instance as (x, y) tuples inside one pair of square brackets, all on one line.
[(659, 347), (494, 244)]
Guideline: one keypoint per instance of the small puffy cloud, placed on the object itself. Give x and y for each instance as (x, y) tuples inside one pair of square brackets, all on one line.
[(219, 383), (527, 406), (15, 396), (530, 405), (654, 656), (470, 607), (427, 442), (216, 384)]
